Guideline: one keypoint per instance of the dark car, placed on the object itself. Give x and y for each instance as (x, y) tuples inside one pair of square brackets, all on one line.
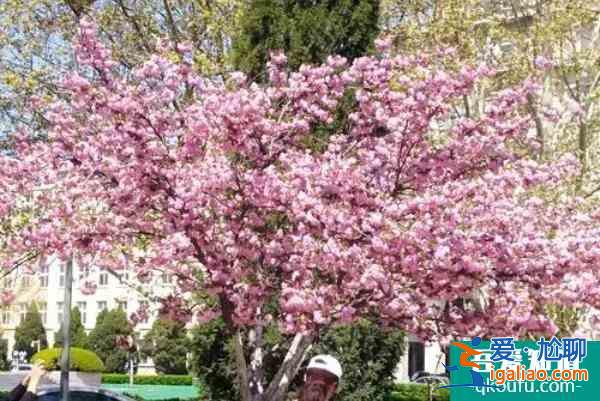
[(52, 393)]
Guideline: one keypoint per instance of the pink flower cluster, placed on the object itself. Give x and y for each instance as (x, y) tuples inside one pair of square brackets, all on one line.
[(405, 216)]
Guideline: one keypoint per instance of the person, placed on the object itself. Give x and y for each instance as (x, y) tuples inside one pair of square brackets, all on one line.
[(27, 389), (322, 377)]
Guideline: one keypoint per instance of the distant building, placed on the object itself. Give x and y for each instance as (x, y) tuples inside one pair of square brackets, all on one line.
[(46, 286)]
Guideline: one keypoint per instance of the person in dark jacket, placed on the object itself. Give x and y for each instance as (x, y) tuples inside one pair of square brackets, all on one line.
[(27, 389)]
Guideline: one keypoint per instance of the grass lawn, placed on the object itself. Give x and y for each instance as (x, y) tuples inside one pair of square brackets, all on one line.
[(155, 392)]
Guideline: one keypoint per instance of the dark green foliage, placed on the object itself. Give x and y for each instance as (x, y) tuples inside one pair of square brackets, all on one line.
[(4, 362), (167, 344), (103, 339), (318, 141), (162, 380), (417, 392), (81, 360), (29, 330), (306, 30), (212, 360), (369, 356), (78, 335)]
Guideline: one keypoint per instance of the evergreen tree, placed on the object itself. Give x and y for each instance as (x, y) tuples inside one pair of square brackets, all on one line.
[(29, 330), (103, 339), (167, 344), (306, 30), (4, 362), (78, 335)]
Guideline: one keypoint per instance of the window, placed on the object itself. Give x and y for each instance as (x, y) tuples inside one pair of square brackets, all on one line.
[(84, 273), (22, 312), (43, 309), (102, 305), (82, 306), (103, 278), (416, 357), (8, 282), (6, 316), (26, 281), (59, 308), (122, 305), (44, 276), (166, 279), (61, 278)]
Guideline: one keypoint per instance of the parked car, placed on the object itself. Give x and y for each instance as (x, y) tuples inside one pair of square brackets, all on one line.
[(430, 378), (52, 393)]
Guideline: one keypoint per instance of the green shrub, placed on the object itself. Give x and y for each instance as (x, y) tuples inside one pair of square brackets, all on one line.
[(82, 360), (163, 380), (417, 392)]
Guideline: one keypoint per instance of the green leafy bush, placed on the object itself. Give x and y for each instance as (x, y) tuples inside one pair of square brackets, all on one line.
[(417, 392), (82, 360), (163, 380)]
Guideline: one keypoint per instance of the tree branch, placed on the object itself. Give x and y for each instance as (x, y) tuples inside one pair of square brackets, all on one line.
[(242, 369), (19, 263), (171, 23), (301, 345), (136, 26)]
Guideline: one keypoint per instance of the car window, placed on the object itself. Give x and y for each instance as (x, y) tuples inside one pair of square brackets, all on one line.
[(77, 396)]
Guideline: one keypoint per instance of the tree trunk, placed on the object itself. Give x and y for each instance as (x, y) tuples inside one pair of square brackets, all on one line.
[(583, 157), (278, 387), (251, 376)]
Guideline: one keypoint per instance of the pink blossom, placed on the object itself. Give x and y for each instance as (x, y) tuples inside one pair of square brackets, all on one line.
[(234, 195)]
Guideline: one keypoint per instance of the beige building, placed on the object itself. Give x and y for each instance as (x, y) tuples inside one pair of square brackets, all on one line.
[(46, 287)]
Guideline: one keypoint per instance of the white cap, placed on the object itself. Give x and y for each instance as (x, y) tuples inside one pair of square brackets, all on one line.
[(326, 363)]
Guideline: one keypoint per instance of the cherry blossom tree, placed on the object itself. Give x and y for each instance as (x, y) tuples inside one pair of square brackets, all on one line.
[(409, 217)]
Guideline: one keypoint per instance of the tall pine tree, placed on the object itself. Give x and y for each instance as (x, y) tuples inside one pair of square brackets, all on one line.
[(167, 344), (103, 339), (306, 30), (29, 330), (78, 335)]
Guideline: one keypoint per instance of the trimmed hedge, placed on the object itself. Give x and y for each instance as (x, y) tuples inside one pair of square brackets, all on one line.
[(165, 380), (417, 392), (82, 360)]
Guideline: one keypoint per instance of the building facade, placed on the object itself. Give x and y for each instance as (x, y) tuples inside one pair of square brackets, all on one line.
[(46, 287)]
